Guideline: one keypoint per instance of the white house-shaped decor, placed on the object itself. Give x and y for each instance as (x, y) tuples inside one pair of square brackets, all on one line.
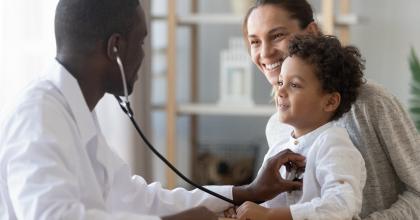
[(235, 75)]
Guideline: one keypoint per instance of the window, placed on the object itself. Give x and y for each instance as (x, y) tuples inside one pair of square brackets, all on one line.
[(27, 43)]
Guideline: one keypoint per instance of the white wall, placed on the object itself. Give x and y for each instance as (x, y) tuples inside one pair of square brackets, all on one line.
[(392, 27)]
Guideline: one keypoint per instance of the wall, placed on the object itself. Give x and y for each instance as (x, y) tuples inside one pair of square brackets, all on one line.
[(391, 28)]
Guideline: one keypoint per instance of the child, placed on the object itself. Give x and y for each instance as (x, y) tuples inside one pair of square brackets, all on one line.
[(318, 83)]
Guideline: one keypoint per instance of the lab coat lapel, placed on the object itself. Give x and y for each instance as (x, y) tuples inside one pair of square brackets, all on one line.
[(87, 124), (70, 89)]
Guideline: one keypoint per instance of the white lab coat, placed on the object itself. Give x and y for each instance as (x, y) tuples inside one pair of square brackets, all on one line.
[(55, 163)]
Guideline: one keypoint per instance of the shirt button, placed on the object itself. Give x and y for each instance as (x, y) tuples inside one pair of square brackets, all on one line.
[(296, 142)]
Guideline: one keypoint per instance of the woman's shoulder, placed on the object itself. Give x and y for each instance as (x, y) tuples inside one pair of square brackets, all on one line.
[(371, 92)]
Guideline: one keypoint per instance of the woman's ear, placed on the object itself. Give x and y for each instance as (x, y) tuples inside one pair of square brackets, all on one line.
[(313, 29), (332, 102)]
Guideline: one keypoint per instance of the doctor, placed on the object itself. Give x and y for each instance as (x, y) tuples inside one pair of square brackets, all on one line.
[(54, 161)]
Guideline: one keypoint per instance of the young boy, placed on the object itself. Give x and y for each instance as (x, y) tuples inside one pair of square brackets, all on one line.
[(318, 83)]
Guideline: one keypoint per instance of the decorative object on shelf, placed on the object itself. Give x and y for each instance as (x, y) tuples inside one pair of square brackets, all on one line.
[(240, 7), (235, 75), (225, 164), (415, 88)]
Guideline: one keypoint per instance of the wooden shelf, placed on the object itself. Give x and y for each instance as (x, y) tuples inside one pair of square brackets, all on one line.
[(214, 109), (340, 20), (210, 19)]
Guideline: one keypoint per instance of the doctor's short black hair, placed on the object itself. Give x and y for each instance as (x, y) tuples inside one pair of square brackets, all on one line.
[(338, 68), (81, 24)]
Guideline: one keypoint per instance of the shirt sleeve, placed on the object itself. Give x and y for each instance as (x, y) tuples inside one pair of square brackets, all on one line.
[(341, 174), (138, 196), (38, 170)]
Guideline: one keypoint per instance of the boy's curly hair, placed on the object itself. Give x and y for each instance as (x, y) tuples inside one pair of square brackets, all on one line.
[(338, 68)]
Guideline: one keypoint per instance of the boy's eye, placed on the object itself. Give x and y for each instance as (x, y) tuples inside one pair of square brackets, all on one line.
[(253, 42), (280, 83), (293, 85)]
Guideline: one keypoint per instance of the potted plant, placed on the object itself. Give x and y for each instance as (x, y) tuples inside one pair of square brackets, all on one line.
[(414, 103)]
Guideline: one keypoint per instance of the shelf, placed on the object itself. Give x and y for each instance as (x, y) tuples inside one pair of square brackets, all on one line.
[(214, 109), (341, 20), (210, 19)]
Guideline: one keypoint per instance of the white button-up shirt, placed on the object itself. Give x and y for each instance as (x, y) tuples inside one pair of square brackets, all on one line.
[(55, 163), (333, 180)]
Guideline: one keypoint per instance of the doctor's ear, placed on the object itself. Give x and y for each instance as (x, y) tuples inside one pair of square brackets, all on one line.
[(115, 46)]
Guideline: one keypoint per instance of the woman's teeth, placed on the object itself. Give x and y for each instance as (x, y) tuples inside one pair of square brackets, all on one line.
[(272, 66)]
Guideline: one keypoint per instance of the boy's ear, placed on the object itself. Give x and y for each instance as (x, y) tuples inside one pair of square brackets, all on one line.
[(313, 29), (332, 102)]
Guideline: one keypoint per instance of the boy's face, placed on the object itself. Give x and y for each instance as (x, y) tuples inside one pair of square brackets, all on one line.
[(300, 100)]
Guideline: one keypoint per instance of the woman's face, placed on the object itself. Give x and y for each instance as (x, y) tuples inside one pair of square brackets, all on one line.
[(269, 29)]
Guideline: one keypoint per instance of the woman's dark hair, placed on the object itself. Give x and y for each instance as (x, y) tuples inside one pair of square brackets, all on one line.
[(300, 10), (338, 68)]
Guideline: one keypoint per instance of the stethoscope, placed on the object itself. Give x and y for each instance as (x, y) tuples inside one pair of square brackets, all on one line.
[(125, 106)]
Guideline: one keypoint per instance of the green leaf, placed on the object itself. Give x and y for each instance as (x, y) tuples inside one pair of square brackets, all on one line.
[(415, 110), (414, 66), (415, 88)]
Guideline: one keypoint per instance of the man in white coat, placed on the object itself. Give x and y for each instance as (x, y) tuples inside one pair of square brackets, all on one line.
[(54, 161)]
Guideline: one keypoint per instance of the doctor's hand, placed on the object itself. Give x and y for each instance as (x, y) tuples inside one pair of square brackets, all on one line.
[(193, 214), (269, 183)]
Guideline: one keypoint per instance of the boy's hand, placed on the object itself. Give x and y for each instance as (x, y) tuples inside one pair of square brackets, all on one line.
[(230, 212), (252, 211), (193, 214)]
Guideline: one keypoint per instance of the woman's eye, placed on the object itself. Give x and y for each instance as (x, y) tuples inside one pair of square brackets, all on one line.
[(279, 35), (280, 83)]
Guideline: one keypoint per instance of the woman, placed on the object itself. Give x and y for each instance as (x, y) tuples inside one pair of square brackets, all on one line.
[(377, 123)]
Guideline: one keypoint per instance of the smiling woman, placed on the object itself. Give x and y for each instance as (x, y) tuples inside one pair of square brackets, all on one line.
[(26, 43)]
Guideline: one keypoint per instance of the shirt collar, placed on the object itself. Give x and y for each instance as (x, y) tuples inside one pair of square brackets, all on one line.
[(70, 89), (305, 141)]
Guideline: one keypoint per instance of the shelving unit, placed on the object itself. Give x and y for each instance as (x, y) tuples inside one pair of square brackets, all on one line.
[(329, 24)]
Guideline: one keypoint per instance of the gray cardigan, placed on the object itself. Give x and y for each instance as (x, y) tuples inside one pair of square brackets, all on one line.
[(390, 144)]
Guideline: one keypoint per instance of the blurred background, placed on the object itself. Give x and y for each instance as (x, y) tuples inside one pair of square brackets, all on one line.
[(211, 142)]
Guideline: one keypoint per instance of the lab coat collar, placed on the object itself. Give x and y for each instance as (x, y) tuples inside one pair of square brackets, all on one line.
[(70, 89), (300, 144)]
